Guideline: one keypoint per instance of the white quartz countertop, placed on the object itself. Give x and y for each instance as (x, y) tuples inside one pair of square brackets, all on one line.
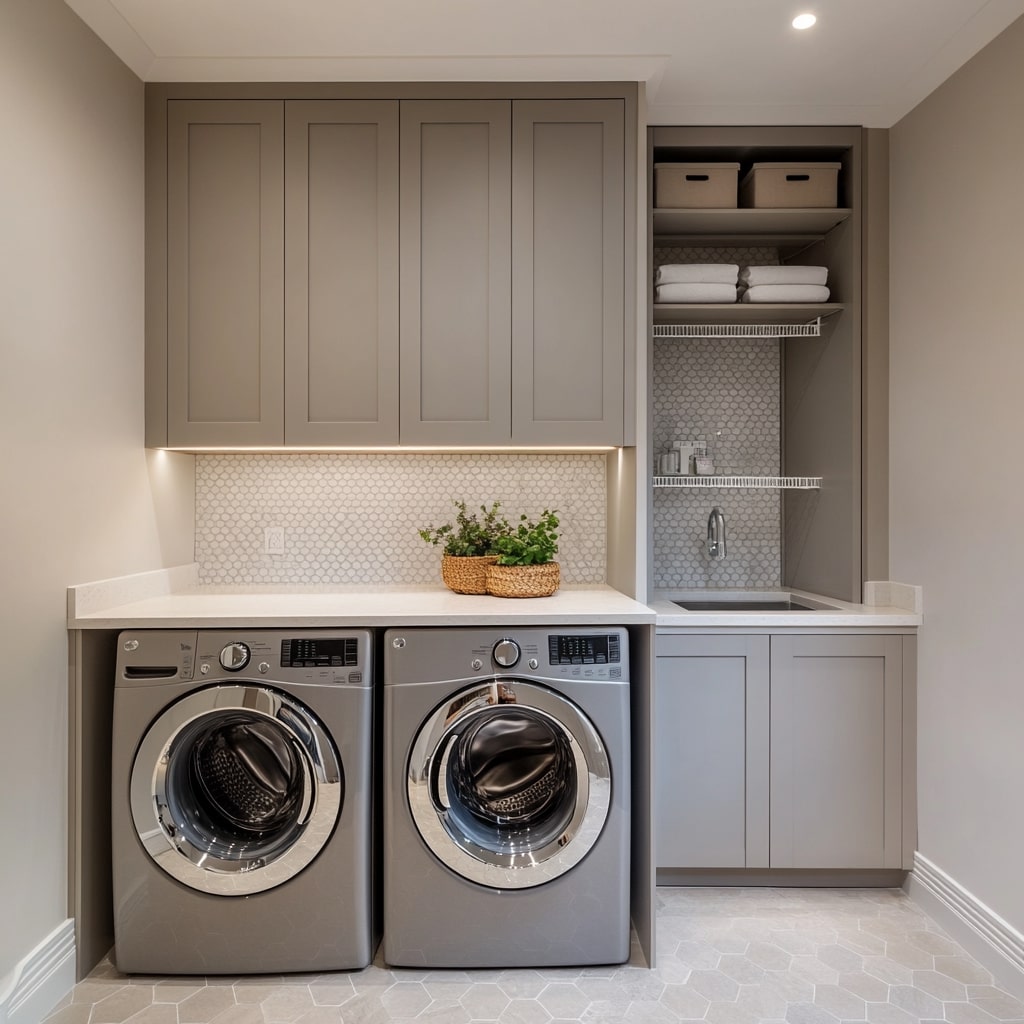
[(128, 603), (173, 598)]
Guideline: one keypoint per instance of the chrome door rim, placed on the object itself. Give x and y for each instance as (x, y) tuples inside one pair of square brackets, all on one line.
[(451, 845), (172, 848)]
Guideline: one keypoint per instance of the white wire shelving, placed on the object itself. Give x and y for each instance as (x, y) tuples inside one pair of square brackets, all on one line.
[(808, 330), (760, 483)]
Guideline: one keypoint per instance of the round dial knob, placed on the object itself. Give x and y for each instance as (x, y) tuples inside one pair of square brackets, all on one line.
[(234, 657), (506, 653)]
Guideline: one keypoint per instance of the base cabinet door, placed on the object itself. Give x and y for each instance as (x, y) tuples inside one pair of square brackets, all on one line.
[(836, 751), (711, 752)]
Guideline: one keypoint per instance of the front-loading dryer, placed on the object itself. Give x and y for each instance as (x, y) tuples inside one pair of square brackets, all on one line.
[(506, 786), (242, 796)]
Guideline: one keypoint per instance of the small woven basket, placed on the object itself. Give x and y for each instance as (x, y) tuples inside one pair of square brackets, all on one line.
[(466, 574), (523, 580)]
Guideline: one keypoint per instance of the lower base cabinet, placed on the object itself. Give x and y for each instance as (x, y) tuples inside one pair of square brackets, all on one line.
[(783, 751)]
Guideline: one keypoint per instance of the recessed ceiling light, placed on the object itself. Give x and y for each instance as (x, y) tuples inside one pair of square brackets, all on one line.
[(804, 21)]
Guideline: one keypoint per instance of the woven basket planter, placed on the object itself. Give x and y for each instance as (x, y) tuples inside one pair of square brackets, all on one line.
[(466, 574), (523, 580)]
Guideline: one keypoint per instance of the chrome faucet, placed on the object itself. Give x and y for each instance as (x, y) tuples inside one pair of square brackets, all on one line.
[(716, 534)]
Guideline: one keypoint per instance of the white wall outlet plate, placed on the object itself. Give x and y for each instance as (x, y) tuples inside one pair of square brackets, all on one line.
[(273, 540)]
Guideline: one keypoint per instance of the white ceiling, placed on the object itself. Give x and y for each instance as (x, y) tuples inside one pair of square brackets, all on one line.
[(721, 62)]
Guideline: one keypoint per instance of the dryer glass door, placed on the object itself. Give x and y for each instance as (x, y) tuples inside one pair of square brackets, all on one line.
[(235, 789), (509, 784)]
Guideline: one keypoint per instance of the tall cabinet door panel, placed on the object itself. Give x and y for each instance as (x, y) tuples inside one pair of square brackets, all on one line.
[(225, 272), (455, 272), (567, 271), (341, 260), (711, 752), (836, 752)]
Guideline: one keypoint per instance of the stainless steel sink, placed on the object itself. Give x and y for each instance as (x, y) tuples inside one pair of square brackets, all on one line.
[(726, 604)]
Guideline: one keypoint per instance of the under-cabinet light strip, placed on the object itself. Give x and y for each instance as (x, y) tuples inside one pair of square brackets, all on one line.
[(382, 449)]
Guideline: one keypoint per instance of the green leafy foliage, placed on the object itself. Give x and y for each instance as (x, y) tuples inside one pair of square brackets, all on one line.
[(470, 534), (530, 543)]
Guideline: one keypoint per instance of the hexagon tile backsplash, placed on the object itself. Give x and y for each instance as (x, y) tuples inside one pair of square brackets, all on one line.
[(353, 518), (726, 391)]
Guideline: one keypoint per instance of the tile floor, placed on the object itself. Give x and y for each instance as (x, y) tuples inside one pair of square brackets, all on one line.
[(726, 956)]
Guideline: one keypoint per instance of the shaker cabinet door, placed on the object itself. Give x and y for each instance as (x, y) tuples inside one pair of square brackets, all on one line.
[(455, 272), (341, 272), (225, 272), (711, 752), (836, 752), (568, 203)]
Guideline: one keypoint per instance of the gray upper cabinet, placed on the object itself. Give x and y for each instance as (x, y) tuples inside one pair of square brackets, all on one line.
[(456, 272), (568, 203), (334, 266), (341, 288), (225, 266)]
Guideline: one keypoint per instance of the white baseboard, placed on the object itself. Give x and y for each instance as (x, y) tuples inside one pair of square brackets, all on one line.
[(993, 942), (40, 981)]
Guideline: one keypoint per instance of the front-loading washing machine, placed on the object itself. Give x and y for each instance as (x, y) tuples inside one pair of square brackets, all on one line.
[(242, 795), (506, 786)]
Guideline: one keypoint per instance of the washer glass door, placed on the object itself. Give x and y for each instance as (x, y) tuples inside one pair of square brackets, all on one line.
[(235, 789), (509, 784)]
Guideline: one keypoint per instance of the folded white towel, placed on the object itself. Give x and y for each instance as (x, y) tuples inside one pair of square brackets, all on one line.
[(786, 293), (697, 273), (783, 275), (708, 292)]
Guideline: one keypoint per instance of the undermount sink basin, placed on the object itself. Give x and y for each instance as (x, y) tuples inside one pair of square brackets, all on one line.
[(748, 601), (725, 604)]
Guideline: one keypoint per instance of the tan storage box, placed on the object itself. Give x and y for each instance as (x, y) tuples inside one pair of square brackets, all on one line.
[(791, 186), (695, 186)]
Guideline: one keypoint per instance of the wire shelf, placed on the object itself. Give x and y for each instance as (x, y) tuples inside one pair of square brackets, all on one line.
[(808, 330), (761, 483)]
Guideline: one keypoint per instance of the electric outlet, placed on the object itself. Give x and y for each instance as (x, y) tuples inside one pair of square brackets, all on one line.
[(273, 540)]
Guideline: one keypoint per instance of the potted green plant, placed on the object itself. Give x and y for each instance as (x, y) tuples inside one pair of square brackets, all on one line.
[(468, 546), (525, 566)]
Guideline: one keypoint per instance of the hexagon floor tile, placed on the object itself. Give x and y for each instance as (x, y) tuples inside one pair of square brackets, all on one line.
[(725, 956)]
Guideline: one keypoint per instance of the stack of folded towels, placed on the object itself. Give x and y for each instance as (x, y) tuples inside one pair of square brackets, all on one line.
[(696, 282), (784, 284)]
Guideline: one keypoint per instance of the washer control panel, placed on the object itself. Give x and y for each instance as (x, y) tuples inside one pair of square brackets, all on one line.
[(146, 657)]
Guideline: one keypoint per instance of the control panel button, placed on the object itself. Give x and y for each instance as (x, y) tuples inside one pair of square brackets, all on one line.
[(234, 657), (506, 653)]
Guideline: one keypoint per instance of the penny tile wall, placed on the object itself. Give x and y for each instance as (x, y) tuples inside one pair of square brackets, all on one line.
[(727, 392), (354, 518)]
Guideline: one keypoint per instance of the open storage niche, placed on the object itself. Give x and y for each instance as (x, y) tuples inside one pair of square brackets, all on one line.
[(819, 349)]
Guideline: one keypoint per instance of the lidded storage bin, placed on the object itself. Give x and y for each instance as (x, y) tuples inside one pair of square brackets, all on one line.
[(695, 186), (791, 186)]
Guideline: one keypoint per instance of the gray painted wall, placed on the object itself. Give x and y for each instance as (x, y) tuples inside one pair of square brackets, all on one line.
[(957, 366), (81, 497)]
